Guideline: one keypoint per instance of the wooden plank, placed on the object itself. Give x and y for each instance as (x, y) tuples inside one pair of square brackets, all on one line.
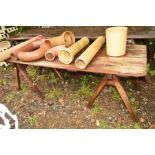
[(134, 63), (91, 32)]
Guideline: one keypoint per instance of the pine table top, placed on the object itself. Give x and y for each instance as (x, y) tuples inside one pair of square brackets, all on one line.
[(134, 63)]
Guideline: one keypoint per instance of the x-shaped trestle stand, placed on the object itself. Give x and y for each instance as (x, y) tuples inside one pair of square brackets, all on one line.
[(20, 68), (114, 81), (107, 80)]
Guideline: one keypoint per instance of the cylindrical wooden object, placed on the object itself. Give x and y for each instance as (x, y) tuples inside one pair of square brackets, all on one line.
[(116, 40), (84, 59), (67, 38), (52, 53), (67, 55)]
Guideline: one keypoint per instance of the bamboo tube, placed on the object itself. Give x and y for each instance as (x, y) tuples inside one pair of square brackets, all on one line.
[(116, 40), (25, 45), (52, 53), (67, 38), (67, 55), (84, 59)]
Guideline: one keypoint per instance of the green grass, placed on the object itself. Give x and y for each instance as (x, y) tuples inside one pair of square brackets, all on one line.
[(3, 82), (53, 78), (115, 93), (84, 91), (90, 78), (9, 98), (150, 71), (72, 80), (32, 121), (122, 126), (128, 83), (133, 126), (103, 125), (95, 81), (66, 74), (32, 71), (85, 80), (5, 67), (20, 125), (136, 126), (96, 108), (54, 94), (42, 77), (24, 88)]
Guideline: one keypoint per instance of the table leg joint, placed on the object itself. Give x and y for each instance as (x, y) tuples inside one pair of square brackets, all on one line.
[(114, 81)]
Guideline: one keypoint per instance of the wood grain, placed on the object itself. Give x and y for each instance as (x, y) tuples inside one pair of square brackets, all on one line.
[(134, 63), (92, 32)]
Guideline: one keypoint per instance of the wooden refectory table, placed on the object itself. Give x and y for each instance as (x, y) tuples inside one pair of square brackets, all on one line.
[(134, 64)]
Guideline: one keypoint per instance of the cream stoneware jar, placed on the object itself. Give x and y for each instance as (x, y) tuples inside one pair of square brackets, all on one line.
[(116, 40)]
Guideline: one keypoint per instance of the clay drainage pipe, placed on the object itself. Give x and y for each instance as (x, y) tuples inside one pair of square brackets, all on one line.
[(34, 44), (84, 59), (67, 55), (67, 38), (52, 53), (22, 46), (34, 55)]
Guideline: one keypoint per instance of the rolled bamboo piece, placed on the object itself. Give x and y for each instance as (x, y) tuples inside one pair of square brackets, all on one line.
[(22, 46), (52, 53), (67, 38), (67, 55), (36, 54), (85, 58), (116, 40)]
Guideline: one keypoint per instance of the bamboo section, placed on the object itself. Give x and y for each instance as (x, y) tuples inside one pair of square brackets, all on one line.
[(67, 55), (67, 38), (85, 58), (23, 46), (52, 53), (116, 40)]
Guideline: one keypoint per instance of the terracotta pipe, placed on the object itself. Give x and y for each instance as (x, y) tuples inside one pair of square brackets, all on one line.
[(84, 59), (36, 54), (67, 55), (32, 46), (22, 46), (52, 53), (67, 38)]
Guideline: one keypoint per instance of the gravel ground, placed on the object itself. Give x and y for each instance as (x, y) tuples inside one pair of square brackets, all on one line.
[(64, 103)]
